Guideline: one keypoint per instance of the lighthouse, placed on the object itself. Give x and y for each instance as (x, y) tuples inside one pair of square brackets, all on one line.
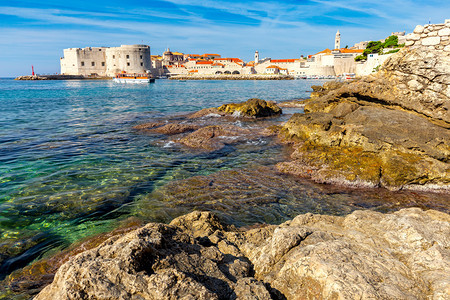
[(256, 57)]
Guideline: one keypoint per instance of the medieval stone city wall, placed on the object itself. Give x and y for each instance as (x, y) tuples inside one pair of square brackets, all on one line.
[(430, 36)]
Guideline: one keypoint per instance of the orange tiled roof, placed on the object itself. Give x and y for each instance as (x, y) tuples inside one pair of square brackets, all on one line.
[(193, 71), (201, 62), (232, 59), (273, 67), (326, 51), (211, 54), (282, 60), (343, 50)]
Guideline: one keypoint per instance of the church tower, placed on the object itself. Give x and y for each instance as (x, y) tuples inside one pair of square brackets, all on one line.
[(256, 57), (337, 41)]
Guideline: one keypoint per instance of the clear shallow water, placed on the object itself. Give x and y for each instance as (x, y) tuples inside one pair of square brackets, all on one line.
[(72, 166)]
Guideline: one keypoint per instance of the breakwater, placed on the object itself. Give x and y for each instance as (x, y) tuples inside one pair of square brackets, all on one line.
[(233, 77), (60, 77)]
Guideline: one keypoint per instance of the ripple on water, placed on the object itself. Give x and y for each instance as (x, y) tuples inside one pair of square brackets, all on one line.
[(261, 195)]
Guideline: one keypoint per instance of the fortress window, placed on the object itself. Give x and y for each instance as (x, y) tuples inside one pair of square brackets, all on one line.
[(142, 64), (82, 63), (141, 56), (128, 64), (114, 56), (103, 63), (99, 49), (93, 63), (128, 56)]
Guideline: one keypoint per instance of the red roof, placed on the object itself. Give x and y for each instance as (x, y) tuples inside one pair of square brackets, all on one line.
[(210, 54), (343, 50), (326, 51), (200, 62), (230, 59), (272, 67), (193, 71), (282, 60)]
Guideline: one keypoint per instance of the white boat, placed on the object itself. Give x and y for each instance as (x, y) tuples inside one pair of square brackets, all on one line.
[(133, 78)]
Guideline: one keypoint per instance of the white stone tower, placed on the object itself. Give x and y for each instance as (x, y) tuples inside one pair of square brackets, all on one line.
[(256, 57), (337, 41)]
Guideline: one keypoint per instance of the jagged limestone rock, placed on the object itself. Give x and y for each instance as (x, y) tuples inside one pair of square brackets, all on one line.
[(388, 129), (365, 255)]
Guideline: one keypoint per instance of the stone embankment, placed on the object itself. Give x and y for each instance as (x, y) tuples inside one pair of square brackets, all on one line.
[(365, 255), (388, 129), (233, 77)]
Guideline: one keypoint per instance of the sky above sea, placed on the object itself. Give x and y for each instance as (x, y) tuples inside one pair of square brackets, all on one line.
[(36, 32)]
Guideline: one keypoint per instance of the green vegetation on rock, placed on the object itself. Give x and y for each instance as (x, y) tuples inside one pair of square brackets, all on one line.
[(254, 108), (378, 46)]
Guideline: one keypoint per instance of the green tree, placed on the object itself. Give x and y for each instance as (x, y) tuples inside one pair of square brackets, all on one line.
[(391, 42)]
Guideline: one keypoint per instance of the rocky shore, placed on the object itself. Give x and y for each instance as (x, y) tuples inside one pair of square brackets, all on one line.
[(232, 77), (389, 129), (365, 255)]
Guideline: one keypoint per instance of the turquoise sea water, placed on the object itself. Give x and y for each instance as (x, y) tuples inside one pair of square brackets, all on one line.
[(72, 166)]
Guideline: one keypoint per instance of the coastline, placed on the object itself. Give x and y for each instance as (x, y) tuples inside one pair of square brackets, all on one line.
[(232, 77)]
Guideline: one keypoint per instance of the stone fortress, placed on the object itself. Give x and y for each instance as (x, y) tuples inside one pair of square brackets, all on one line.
[(106, 61)]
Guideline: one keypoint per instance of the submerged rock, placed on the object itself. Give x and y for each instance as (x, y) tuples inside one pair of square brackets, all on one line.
[(365, 255), (215, 137), (254, 108)]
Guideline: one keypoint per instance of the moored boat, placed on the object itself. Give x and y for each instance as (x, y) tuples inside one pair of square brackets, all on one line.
[(133, 78)]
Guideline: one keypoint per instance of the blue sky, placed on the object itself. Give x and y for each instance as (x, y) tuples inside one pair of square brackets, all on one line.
[(36, 32)]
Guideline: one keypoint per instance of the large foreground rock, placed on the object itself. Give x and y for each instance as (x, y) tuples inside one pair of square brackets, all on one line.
[(388, 129), (415, 80), (365, 255)]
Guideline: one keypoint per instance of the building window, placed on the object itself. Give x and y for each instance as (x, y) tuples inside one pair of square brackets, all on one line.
[(82, 63), (114, 56), (142, 64), (93, 63), (99, 49), (128, 64), (103, 63), (128, 56), (141, 56)]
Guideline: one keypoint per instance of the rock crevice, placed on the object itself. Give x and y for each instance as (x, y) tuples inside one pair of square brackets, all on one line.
[(366, 255)]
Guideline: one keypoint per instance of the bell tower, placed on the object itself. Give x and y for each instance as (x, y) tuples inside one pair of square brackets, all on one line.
[(337, 41), (256, 57)]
